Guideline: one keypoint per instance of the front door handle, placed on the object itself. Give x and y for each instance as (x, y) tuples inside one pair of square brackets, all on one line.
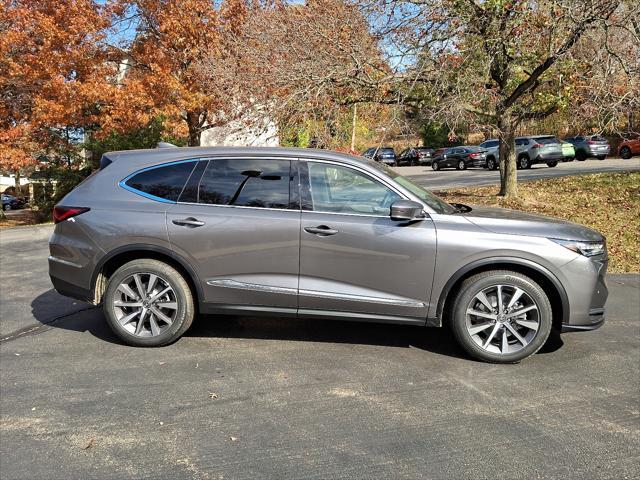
[(321, 230), (188, 222)]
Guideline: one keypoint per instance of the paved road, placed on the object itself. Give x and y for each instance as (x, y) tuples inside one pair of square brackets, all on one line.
[(302, 399), (477, 177)]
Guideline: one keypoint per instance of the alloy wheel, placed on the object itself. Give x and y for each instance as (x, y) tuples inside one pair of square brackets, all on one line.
[(502, 319), (145, 305)]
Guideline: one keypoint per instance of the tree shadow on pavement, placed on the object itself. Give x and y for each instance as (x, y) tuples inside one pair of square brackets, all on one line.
[(90, 319)]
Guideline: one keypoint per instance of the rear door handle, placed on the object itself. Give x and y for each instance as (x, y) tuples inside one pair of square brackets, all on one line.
[(321, 230), (188, 222)]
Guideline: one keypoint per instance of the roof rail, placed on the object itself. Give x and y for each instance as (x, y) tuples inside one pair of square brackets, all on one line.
[(165, 145)]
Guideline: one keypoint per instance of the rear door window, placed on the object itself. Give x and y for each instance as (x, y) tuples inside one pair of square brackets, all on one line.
[(246, 183), (161, 183)]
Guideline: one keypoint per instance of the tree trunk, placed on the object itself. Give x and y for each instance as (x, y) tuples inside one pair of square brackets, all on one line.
[(353, 128), (508, 169), (193, 121)]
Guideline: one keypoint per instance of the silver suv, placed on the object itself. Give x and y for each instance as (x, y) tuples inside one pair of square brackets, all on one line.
[(529, 151), (159, 235)]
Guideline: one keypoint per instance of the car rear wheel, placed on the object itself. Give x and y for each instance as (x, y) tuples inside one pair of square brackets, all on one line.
[(435, 166), (148, 303), (501, 316), (491, 163), (523, 162), (461, 165), (625, 152), (601, 157), (552, 164), (581, 156), (6, 207)]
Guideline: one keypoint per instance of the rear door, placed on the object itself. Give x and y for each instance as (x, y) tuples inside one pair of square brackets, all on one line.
[(237, 222), (353, 257)]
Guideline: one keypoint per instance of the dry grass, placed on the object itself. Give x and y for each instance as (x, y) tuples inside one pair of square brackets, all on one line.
[(606, 202)]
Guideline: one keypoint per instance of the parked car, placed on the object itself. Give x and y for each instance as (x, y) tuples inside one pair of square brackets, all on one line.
[(568, 151), (386, 155), (629, 148), (460, 158), (492, 148), (9, 202), (416, 156), (538, 149), (591, 146), (158, 235)]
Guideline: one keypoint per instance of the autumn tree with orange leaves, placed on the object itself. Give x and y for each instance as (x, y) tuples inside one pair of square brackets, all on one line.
[(162, 66), (52, 74)]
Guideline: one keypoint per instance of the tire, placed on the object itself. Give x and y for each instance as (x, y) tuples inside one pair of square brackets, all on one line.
[(523, 162), (601, 157), (435, 166), (471, 331), (551, 164), (581, 156), (461, 165), (177, 304), (491, 163), (625, 152), (6, 207)]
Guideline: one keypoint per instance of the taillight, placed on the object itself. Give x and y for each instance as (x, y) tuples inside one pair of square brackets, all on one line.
[(474, 155), (61, 213), (537, 145)]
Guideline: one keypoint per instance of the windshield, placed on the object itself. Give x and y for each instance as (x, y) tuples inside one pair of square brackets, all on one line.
[(546, 140), (438, 205)]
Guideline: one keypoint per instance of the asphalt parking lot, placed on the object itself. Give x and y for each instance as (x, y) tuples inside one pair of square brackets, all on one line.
[(275, 398), (452, 178)]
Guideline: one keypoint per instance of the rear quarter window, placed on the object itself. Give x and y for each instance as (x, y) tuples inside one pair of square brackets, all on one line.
[(162, 183)]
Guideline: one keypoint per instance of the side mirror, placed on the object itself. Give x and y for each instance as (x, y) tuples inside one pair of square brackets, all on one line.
[(404, 210)]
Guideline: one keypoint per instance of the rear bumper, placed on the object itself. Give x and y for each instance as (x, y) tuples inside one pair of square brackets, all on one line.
[(70, 290), (548, 157)]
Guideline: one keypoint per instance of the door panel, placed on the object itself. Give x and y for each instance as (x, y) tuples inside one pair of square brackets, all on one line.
[(353, 257), (371, 265), (243, 255)]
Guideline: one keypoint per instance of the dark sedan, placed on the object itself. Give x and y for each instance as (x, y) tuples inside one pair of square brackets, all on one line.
[(460, 158), (9, 202), (416, 156), (386, 155)]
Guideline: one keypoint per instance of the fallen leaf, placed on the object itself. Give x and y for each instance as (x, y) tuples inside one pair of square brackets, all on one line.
[(233, 439), (213, 395), (90, 444)]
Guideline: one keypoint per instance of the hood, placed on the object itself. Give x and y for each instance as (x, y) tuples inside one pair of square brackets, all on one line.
[(514, 222)]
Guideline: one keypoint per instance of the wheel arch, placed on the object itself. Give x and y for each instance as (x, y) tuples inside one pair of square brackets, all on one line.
[(121, 255), (545, 278)]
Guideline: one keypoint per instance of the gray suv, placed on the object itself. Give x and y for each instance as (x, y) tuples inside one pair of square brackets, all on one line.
[(529, 151), (157, 236)]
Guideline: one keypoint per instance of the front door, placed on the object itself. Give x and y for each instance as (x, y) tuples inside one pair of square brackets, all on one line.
[(239, 227), (353, 257)]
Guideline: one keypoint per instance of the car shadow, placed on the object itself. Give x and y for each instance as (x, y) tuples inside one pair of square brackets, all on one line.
[(88, 318)]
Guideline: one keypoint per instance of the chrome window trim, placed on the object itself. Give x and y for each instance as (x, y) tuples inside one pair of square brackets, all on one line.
[(405, 194)]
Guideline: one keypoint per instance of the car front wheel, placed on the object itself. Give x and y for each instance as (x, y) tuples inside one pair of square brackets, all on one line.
[(625, 152), (148, 303), (435, 166), (501, 316), (523, 162), (461, 165), (6, 207), (491, 163), (552, 164)]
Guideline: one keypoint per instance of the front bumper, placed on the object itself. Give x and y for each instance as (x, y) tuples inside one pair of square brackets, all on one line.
[(597, 320), (586, 287)]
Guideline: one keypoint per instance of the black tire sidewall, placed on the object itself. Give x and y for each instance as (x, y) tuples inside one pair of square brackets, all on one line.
[(180, 287), (472, 286)]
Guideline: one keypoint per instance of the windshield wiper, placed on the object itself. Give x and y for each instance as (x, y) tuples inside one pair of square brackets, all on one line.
[(460, 208)]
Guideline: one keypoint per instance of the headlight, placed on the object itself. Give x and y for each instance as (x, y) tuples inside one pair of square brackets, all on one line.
[(588, 249)]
